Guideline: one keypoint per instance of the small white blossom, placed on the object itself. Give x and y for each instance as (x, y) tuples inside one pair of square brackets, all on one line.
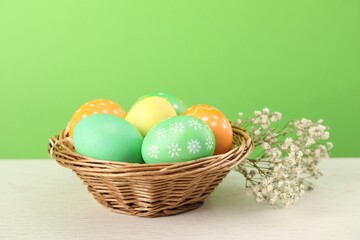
[(174, 150), (310, 141), (153, 151), (193, 146), (266, 111), (195, 124), (286, 155), (177, 127), (257, 132), (257, 113), (266, 146), (276, 117), (325, 135), (160, 133), (209, 142)]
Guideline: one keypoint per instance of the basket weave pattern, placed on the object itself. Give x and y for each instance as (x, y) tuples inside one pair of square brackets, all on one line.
[(151, 190)]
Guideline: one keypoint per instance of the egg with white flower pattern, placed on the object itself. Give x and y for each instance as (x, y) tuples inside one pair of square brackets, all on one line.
[(218, 122), (178, 139)]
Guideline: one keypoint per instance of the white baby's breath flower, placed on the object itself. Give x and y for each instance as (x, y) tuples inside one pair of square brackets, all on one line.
[(276, 117), (269, 188), (265, 146), (255, 120), (309, 142), (255, 188), (287, 155), (257, 132), (272, 200), (325, 135), (329, 145), (264, 119), (288, 141), (257, 113)]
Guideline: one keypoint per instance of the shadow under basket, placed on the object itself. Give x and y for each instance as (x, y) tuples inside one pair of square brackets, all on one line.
[(151, 190)]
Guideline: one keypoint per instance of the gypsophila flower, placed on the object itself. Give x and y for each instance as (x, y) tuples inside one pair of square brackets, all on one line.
[(266, 111), (257, 132), (265, 146), (287, 158), (276, 117)]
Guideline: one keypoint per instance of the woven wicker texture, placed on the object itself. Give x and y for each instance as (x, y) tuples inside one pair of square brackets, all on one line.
[(151, 190)]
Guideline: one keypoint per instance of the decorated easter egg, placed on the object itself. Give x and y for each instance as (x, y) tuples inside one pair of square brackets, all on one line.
[(108, 137), (148, 112), (178, 139), (218, 122), (99, 106), (177, 103)]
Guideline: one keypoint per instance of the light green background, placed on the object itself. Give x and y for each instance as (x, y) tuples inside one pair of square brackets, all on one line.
[(298, 57)]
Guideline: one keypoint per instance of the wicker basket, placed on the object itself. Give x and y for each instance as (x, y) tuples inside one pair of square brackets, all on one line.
[(151, 190)]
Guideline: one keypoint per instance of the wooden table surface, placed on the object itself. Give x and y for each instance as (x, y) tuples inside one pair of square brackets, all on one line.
[(39, 199)]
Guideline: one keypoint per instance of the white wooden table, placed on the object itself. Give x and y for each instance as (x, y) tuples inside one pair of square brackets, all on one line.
[(41, 200)]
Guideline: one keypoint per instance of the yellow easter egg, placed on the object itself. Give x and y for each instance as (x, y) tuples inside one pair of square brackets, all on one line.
[(99, 106), (148, 112)]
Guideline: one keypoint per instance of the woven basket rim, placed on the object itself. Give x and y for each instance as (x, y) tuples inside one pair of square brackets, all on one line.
[(61, 149)]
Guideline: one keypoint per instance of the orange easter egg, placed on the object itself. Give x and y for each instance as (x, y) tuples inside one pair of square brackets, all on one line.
[(218, 122), (99, 106)]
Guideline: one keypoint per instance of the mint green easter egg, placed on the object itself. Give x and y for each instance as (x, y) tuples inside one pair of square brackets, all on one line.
[(178, 139), (108, 137), (177, 103)]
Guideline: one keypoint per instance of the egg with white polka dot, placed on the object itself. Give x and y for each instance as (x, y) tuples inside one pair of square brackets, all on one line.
[(98, 106), (218, 122)]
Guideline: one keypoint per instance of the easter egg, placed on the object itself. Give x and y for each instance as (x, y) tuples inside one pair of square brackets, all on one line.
[(178, 139), (99, 106), (148, 112), (218, 122), (177, 103), (108, 137)]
